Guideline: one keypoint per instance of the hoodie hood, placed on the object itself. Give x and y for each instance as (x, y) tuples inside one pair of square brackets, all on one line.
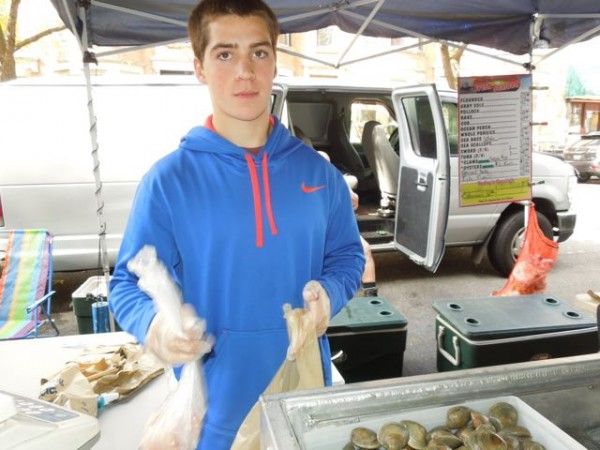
[(280, 144)]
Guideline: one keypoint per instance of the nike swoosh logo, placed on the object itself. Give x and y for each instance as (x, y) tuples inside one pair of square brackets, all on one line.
[(310, 189)]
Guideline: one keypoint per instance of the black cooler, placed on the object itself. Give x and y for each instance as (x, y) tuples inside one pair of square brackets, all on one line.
[(367, 340), (501, 330)]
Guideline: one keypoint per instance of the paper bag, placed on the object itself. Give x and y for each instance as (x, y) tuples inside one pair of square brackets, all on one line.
[(306, 372)]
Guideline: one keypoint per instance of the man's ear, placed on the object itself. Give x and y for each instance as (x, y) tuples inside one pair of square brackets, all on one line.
[(199, 71)]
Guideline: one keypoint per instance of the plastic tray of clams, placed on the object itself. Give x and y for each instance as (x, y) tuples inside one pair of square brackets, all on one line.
[(488, 424)]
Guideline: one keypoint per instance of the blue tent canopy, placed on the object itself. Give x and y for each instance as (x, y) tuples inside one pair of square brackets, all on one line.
[(503, 24)]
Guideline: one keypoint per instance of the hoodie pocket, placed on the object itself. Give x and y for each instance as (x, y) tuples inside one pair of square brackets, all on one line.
[(243, 364)]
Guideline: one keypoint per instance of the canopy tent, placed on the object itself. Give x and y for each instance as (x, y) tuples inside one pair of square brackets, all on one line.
[(515, 26)]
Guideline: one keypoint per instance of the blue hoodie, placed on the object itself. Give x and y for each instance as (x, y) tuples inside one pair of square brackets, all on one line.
[(241, 233)]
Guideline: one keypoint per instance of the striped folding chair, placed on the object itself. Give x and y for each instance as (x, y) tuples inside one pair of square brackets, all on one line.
[(25, 284)]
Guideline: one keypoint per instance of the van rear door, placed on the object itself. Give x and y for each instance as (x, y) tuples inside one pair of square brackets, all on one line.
[(424, 176)]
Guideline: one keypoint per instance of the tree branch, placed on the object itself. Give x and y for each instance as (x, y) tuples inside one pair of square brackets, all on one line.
[(37, 37)]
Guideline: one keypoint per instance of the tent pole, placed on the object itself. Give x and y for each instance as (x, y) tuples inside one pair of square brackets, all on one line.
[(88, 57), (387, 52), (320, 11), (423, 36), (571, 42), (303, 56), (364, 25), (134, 12)]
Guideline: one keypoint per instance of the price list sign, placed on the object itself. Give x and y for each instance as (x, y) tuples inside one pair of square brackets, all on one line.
[(494, 116)]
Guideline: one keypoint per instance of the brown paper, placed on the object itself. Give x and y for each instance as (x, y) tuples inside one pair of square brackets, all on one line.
[(122, 369)]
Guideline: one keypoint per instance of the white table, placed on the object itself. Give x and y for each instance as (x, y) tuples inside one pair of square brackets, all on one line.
[(25, 362)]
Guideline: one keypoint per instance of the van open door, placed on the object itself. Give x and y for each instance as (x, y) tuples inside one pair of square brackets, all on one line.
[(278, 94), (424, 176)]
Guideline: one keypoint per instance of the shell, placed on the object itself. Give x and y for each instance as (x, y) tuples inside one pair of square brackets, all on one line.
[(528, 444), (417, 434), (484, 440), (478, 419), (458, 416), (505, 413), (464, 432), (448, 440), (393, 436), (364, 438), (517, 431), (437, 430)]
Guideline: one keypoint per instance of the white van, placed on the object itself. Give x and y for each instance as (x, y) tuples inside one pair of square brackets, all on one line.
[(46, 168), (46, 177)]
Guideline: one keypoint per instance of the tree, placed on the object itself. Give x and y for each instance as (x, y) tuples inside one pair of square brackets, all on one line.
[(451, 63), (8, 39)]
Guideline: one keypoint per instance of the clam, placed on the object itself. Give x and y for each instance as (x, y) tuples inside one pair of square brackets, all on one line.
[(485, 440), (517, 431), (478, 419), (486, 427), (464, 432), (417, 434), (363, 438), (458, 416), (440, 429), (433, 446), (393, 436), (447, 439), (528, 444), (505, 413)]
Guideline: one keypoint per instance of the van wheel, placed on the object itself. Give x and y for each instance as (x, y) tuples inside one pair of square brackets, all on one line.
[(505, 245)]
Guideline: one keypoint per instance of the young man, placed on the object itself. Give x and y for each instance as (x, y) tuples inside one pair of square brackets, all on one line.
[(246, 218)]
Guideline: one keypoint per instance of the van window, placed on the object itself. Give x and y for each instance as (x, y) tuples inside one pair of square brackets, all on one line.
[(420, 125), (312, 119), (449, 111), (363, 112)]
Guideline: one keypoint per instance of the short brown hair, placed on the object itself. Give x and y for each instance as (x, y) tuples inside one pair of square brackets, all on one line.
[(208, 10)]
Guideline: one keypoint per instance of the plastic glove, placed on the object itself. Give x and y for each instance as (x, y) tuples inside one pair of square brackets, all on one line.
[(316, 301), (315, 320), (173, 347)]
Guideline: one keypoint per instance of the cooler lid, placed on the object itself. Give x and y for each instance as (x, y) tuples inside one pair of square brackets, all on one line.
[(502, 317), (367, 313)]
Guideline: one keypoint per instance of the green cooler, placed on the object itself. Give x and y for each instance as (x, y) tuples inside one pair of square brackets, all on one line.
[(502, 330), (367, 340)]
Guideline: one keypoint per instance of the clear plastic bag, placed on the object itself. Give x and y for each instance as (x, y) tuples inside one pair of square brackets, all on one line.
[(178, 421)]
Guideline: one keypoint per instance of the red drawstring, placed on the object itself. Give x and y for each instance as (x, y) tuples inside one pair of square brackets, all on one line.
[(256, 197), (265, 174), (256, 189)]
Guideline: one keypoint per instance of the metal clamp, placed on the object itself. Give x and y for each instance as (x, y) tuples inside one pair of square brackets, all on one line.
[(454, 360)]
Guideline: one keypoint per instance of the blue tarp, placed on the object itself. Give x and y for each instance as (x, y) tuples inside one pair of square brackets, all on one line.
[(500, 24)]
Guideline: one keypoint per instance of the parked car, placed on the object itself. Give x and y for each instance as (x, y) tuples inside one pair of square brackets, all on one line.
[(584, 156), (46, 178)]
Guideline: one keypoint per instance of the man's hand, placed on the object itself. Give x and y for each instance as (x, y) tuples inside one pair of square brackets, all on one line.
[(173, 347), (316, 302), (315, 317)]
